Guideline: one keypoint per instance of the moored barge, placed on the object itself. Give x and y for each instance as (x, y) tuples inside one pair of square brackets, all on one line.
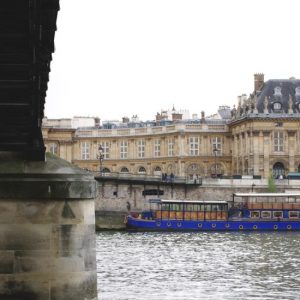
[(245, 212)]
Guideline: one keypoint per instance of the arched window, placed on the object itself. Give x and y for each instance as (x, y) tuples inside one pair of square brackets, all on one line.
[(142, 170), (124, 170), (157, 169), (277, 106), (278, 170), (105, 170)]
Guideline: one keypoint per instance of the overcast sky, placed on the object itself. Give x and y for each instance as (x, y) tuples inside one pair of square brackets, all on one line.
[(118, 58)]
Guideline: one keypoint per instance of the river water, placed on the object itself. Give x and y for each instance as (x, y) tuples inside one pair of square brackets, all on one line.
[(198, 265)]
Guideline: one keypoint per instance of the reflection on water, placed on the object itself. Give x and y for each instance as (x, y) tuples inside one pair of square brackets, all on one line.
[(198, 265)]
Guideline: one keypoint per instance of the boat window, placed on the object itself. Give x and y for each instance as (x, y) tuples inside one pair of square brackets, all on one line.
[(189, 207), (214, 207), (176, 207), (254, 214), (277, 214), (165, 206), (293, 214), (266, 214)]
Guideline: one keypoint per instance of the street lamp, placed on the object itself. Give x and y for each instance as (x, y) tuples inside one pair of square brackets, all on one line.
[(100, 157), (215, 150)]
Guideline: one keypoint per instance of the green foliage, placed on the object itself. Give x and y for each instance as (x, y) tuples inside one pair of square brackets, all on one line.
[(271, 184)]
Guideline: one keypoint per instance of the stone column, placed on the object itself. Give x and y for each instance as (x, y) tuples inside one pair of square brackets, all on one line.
[(255, 135), (266, 145), (291, 150), (47, 231)]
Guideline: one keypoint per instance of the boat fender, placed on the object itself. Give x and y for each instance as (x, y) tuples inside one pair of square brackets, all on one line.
[(289, 227), (213, 225), (179, 224), (169, 224), (275, 227), (241, 227), (254, 227), (199, 225)]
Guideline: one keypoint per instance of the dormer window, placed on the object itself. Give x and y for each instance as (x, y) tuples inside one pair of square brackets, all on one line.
[(277, 106), (277, 91)]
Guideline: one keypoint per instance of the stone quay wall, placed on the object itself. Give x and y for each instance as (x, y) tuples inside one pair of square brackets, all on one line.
[(115, 199)]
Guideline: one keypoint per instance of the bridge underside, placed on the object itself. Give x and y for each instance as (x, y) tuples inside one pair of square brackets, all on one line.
[(27, 29)]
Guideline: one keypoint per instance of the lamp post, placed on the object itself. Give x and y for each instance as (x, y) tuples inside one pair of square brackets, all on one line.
[(100, 157), (215, 150)]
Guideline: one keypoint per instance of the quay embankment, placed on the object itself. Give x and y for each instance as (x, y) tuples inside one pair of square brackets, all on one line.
[(116, 198)]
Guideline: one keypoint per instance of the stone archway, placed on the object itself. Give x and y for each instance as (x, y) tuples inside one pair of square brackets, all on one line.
[(216, 170), (171, 169), (278, 170), (194, 171)]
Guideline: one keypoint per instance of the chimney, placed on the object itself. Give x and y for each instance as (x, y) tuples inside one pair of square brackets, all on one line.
[(202, 115), (125, 120), (97, 122), (176, 116), (258, 81)]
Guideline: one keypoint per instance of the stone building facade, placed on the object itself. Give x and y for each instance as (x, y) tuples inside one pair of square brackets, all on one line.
[(258, 138)]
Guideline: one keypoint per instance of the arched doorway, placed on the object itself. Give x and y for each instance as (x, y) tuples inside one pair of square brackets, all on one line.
[(278, 170), (216, 170), (194, 171)]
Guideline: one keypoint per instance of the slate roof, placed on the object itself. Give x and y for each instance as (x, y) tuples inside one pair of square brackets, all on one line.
[(288, 87), (27, 29)]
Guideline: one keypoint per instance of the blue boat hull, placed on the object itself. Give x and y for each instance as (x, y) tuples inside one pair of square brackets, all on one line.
[(230, 225)]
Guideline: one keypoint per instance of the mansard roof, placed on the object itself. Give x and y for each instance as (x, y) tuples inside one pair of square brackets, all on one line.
[(286, 88)]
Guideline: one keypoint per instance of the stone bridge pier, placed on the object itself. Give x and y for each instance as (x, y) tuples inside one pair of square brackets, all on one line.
[(47, 231)]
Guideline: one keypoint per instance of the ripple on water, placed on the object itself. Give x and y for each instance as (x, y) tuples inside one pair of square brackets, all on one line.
[(198, 265)]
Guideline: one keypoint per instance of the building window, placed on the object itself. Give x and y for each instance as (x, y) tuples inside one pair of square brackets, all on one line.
[(105, 170), (124, 170), (156, 148), (142, 170), (278, 141), (85, 150), (123, 149), (105, 149), (141, 148), (53, 148), (194, 145), (277, 106), (216, 145), (171, 144)]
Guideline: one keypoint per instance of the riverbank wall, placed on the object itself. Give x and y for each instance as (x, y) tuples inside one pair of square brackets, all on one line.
[(116, 199)]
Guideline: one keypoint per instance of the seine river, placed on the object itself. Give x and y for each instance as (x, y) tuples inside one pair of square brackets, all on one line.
[(198, 265)]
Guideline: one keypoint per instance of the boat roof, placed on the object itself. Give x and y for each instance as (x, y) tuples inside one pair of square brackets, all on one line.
[(187, 201), (267, 194)]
